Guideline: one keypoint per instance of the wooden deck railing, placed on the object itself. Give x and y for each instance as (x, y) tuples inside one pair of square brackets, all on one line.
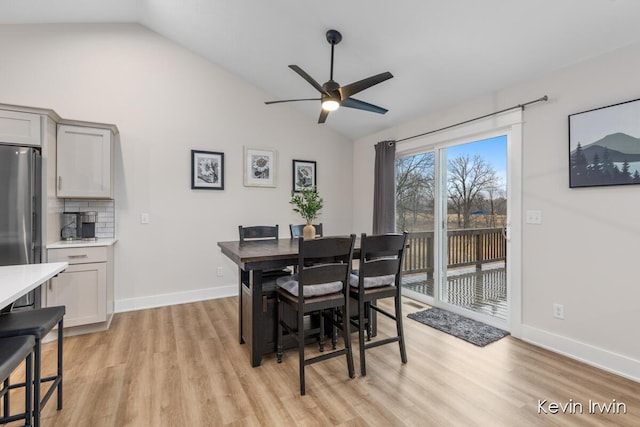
[(473, 246)]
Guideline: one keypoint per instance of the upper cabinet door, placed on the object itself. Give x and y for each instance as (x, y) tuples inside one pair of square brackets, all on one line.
[(20, 128), (84, 162)]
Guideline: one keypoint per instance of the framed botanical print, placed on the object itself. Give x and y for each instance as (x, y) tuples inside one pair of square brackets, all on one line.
[(207, 170), (259, 167), (304, 174)]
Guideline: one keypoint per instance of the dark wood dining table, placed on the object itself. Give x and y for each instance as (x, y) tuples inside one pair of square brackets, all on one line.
[(256, 297)]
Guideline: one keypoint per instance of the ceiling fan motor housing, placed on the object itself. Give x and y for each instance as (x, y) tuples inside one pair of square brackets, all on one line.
[(334, 36)]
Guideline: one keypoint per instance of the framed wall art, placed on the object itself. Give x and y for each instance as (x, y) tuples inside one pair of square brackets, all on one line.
[(259, 167), (207, 170), (604, 146), (304, 174)]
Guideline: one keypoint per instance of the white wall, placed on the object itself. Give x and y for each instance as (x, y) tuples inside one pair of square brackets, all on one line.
[(166, 101), (585, 254)]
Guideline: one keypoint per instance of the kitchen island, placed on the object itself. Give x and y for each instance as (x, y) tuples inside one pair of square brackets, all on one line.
[(18, 280)]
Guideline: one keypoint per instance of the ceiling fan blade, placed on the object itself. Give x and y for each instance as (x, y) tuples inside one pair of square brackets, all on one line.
[(308, 78), (292, 100), (361, 105), (353, 88), (323, 116)]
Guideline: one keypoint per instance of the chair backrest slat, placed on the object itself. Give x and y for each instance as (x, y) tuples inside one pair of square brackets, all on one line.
[(258, 232), (380, 267)]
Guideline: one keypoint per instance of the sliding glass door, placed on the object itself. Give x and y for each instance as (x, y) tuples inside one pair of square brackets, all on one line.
[(453, 197), (415, 213), (473, 245)]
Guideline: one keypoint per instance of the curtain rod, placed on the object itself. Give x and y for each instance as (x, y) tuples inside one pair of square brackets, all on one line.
[(544, 98)]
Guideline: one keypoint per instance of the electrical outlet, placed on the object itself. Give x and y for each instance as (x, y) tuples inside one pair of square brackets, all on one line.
[(558, 311), (220, 272)]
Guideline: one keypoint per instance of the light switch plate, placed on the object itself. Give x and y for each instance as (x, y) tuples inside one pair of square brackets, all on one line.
[(534, 217), (144, 218)]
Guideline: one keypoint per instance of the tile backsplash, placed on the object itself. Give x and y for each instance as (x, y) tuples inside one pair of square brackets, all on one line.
[(106, 225)]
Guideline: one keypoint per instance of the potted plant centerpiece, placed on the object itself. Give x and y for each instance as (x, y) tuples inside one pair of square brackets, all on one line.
[(308, 204)]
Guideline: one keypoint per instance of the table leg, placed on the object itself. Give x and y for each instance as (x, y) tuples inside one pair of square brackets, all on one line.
[(241, 275), (256, 314)]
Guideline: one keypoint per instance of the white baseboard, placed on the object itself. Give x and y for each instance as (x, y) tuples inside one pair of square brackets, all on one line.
[(140, 303), (600, 358)]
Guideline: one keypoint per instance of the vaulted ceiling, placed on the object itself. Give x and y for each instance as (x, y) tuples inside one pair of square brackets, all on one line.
[(440, 52)]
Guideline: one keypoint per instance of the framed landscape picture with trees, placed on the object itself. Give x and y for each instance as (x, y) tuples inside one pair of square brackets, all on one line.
[(604, 146)]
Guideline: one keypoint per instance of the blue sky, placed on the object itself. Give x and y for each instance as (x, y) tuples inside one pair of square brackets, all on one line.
[(492, 150)]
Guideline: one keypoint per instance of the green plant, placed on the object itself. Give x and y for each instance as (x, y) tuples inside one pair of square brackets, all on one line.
[(307, 203)]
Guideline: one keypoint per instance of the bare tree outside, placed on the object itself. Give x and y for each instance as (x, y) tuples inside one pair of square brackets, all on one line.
[(415, 192), (471, 181), (476, 194)]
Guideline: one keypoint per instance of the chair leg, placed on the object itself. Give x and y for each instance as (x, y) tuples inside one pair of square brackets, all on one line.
[(399, 328), (334, 328), (362, 324), (279, 330), (321, 337), (347, 338), (60, 342), (5, 398), (28, 379), (300, 333), (37, 369), (367, 310)]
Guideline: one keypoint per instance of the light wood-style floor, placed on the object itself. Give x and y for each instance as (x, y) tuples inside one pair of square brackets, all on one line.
[(183, 366)]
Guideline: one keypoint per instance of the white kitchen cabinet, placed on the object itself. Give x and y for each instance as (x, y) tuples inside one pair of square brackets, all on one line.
[(20, 128), (84, 161), (85, 287)]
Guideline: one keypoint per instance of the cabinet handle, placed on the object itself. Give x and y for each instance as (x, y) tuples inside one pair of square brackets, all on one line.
[(59, 182), (264, 303), (78, 256)]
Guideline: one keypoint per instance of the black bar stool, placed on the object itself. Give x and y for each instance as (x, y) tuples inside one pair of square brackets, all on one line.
[(378, 276), (37, 323), (12, 352)]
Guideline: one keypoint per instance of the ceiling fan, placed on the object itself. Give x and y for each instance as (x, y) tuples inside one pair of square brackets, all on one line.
[(332, 95)]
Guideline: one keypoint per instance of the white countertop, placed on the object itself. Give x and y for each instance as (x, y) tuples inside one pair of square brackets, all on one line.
[(102, 241), (17, 280)]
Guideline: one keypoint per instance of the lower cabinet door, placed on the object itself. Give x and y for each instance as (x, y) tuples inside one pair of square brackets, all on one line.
[(82, 288)]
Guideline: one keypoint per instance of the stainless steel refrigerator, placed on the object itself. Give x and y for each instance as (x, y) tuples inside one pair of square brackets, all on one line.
[(20, 203)]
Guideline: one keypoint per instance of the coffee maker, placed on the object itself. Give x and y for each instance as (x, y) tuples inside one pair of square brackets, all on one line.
[(88, 225), (79, 225)]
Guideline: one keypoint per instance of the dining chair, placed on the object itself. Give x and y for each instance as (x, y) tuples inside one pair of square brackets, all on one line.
[(378, 276), (296, 230), (13, 351), (263, 232), (320, 286)]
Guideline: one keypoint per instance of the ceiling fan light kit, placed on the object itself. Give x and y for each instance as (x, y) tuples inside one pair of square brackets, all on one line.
[(332, 95), (330, 104)]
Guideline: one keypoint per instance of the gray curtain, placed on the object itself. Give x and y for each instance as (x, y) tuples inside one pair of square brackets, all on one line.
[(384, 188)]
